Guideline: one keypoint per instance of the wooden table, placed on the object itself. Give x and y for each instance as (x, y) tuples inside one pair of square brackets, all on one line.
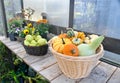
[(48, 67)]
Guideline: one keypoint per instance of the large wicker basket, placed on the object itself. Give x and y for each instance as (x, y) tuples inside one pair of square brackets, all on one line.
[(36, 50), (77, 67)]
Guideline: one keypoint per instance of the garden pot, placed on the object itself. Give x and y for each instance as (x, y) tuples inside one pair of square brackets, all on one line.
[(12, 37), (20, 39), (44, 35)]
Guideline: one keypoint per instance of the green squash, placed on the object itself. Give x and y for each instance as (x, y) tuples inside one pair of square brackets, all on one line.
[(70, 33), (90, 49)]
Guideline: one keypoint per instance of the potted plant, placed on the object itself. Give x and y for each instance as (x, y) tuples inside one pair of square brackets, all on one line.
[(15, 25), (42, 27)]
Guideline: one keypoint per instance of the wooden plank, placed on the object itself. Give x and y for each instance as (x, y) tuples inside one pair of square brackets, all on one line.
[(43, 64), (63, 79), (6, 40), (22, 54), (29, 59), (51, 72), (11, 43), (15, 46), (100, 74), (115, 77), (18, 50), (2, 38)]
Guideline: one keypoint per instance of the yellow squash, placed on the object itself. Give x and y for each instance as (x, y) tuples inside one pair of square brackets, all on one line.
[(59, 44)]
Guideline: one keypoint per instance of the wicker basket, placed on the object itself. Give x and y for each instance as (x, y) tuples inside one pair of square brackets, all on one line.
[(77, 67), (36, 50), (20, 39)]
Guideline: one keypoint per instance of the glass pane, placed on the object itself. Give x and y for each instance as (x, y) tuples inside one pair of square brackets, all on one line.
[(11, 8), (98, 16), (1, 23), (57, 10)]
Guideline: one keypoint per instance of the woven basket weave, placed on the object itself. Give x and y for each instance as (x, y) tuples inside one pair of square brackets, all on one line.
[(77, 67), (36, 50)]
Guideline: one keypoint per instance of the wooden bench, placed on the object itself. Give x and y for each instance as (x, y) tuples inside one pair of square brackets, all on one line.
[(48, 67)]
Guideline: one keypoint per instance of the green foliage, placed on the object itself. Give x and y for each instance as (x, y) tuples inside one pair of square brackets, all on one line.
[(42, 28), (15, 24), (4, 62), (21, 34), (36, 79), (20, 69)]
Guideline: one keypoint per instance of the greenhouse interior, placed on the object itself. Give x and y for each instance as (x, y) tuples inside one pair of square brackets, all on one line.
[(59, 41)]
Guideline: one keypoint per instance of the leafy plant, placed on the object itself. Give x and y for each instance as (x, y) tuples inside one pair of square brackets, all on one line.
[(42, 26), (15, 25), (5, 60), (36, 79)]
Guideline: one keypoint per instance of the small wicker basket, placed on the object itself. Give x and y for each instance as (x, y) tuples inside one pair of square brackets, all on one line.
[(77, 67), (36, 50), (20, 39)]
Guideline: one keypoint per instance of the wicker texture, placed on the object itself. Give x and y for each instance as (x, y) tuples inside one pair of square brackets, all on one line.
[(36, 50), (77, 67), (20, 39)]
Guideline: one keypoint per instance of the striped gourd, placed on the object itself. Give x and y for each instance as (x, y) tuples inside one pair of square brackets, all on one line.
[(70, 33)]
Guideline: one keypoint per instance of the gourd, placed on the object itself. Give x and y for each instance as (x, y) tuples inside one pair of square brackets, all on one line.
[(70, 33), (90, 49), (76, 33), (63, 35), (81, 35), (70, 50), (90, 38), (77, 41), (59, 43)]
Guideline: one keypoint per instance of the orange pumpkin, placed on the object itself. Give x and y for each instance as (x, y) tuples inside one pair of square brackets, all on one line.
[(70, 50), (63, 35), (59, 44)]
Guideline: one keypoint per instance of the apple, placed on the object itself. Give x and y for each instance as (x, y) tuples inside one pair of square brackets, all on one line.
[(42, 41), (26, 43), (38, 37), (33, 42), (29, 38)]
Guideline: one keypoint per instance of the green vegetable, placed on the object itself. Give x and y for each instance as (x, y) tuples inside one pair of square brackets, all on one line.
[(90, 49), (70, 33)]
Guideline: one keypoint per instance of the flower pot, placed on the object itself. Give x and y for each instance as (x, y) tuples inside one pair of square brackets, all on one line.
[(77, 67), (20, 39), (12, 37), (44, 35)]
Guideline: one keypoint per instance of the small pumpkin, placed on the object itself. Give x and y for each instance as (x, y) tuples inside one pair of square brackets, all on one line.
[(76, 33), (63, 35), (70, 33), (87, 40), (77, 41), (59, 43), (81, 35), (70, 50)]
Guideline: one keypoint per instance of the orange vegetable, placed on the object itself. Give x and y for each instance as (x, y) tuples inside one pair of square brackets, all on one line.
[(70, 50), (63, 35), (58, 44), (81, 35)]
